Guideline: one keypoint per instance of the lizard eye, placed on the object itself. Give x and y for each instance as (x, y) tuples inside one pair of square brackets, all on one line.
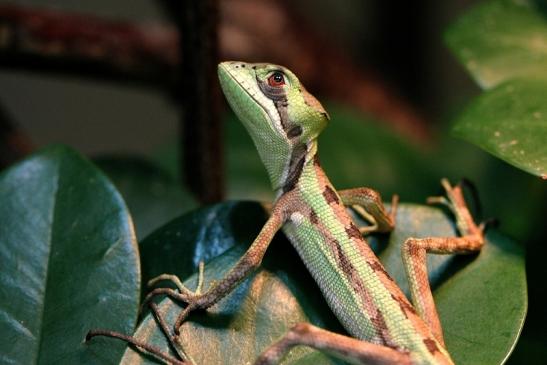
[(276, 79)]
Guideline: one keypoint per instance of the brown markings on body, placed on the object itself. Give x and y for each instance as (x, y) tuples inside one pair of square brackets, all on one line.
[(431, 345), (316, 160), (353, 231), (294, 132), (282, 109), (377, 267), (314, 219), (296, 164), (342, 261), (330, 195), (346, 266), (381, 328), (406, 308), (352, 276)]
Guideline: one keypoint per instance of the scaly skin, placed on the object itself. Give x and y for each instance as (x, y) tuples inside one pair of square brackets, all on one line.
[(284, 121)]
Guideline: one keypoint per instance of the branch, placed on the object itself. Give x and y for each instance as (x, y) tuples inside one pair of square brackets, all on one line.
[(201, 134), (60, 43)]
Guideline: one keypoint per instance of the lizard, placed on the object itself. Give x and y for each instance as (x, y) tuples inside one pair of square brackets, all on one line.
[(284, 121)]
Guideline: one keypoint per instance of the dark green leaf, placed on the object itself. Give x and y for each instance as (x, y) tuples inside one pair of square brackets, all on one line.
[(152, 195), (180, 245), (510, 121), (482, 299), (68, 261), (501, 39)]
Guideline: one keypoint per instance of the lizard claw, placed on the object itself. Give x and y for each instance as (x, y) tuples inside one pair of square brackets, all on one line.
[(181, 294)]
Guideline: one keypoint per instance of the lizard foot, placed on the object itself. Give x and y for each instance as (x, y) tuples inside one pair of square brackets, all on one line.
[(182, 294), (455, 202)]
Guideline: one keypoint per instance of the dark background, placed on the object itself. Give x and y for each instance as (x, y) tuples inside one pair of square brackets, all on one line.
[(399, 42)]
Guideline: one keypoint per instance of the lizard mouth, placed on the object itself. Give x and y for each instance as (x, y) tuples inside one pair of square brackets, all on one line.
[(225, 71)]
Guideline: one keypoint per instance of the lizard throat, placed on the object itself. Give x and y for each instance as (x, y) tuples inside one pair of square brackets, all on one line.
[(302, 155)]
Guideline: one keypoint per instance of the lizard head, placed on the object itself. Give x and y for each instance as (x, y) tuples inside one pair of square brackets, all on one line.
[(275, 108)]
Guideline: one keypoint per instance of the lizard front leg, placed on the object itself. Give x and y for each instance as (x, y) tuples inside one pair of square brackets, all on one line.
[(218, 290), (368, 204), (349, 349), (414, 252)]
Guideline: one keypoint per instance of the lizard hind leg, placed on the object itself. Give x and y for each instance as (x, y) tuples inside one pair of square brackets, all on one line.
[(414, 252), (346, 348)]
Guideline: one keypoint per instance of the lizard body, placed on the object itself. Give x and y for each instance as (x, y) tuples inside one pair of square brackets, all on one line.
[(359, 291), (284, 121)]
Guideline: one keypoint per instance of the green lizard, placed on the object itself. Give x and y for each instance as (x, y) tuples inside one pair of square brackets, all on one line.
[(284, 121)]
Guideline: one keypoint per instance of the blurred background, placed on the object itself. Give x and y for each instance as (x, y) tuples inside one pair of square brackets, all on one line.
[(112, 80), (399, 48)]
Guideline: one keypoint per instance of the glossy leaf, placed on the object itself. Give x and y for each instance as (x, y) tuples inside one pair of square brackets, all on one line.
[(481, 298), (510, 121), (152, 195), (501, 39), (68, 261)]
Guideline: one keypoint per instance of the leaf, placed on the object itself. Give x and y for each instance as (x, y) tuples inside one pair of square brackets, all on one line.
[(152, 195), (482, 299), (204, 234), (510, 121), (68, 261), (501, 39)]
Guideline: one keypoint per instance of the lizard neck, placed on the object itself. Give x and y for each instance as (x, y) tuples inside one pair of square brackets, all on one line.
[(302, 157)]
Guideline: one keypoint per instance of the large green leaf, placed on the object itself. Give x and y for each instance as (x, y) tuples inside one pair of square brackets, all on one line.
[(510, 121), (68, 261), (482, 299), (152, 195), (501, 39)]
